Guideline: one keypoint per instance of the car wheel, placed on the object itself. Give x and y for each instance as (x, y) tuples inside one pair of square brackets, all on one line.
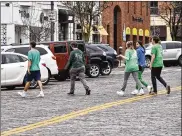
[(10, 87), (106, 71), (47, 81), (33, 84), (94, 71), (180, 60), (147, 61)]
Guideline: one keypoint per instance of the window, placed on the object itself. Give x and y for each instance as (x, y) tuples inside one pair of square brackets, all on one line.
[(22, 59), (178, 45), (10, 58), (60, 48), (22, 50), (163, 46), (170, 45), (90, 50), (10, 50), (41, 50), (154, 7), (104, 49)]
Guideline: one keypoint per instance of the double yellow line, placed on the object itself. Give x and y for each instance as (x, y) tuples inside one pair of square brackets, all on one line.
[(79, 113)]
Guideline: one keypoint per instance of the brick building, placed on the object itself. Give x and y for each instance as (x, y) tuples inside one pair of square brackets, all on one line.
[(133, 16)]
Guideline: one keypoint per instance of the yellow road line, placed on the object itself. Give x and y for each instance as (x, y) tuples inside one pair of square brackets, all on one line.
[(79, 113)]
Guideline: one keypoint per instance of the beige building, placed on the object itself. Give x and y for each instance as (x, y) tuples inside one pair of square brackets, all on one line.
[(157, 25)]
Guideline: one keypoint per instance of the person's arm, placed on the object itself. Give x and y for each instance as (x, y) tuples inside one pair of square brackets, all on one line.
[(153, 52), (83, 59), (138, 54), (29, 61), (126, 57), (69, 61)]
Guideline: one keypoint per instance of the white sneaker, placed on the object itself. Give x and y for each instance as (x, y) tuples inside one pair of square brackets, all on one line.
[(41, 94), (141, 92), (121, 93), (23, 94), (134, 92), (149, 88)]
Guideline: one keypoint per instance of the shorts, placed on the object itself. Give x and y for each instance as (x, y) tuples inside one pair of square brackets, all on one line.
[(33, 75)]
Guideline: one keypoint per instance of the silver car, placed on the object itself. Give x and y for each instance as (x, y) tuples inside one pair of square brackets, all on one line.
[(171, 52)]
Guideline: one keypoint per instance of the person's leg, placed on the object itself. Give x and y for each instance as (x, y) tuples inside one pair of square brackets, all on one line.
[(126, 76), (81, 76), (153, 78), (135, 76), (158, 76), (27, 85), (141, 78), (73, 73)]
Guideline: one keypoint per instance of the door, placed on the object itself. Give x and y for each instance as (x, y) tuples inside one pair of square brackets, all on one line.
[(3, 72), (60, 50), (170, 51), (15, 69)]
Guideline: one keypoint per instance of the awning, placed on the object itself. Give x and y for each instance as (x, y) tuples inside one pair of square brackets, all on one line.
[(134, 31), (147, 33), (66, 12), (101, 30), (128, 31), (140, 32)]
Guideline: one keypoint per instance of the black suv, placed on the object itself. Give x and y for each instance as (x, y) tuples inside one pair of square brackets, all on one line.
[(96, 61), (111, 54)]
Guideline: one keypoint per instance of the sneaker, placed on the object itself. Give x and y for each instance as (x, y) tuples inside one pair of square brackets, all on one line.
[(149, 88), (23, 94), (121, 93), (41, 94), (70, 93), (88, 92), (135, 92), (168, 88), (153, 93), (141, 92)]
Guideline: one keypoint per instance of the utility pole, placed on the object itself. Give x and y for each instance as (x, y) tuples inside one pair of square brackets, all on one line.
[(52, 23)]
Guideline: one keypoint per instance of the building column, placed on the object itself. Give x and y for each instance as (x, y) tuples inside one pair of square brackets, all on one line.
[(10, 33), (168, 35)]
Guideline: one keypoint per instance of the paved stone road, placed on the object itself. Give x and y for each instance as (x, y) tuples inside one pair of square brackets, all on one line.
[(156, 116)]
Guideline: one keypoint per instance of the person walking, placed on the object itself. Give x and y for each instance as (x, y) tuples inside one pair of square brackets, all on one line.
[(131, 67), (141, 64), (156, 65), (33, 71), (77, 68)]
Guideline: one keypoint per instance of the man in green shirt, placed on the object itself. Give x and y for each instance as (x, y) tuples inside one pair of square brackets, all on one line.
[(156, 65), (33, 71), (76, 63)]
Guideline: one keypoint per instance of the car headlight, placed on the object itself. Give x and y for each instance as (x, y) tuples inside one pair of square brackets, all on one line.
[(115, 52), (104, 53)]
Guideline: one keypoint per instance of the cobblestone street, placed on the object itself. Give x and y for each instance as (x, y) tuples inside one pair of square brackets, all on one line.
[(58, 114)]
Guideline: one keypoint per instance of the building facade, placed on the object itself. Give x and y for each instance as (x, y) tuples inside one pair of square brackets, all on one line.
[(22, 22), (158, 25), (125, 21)]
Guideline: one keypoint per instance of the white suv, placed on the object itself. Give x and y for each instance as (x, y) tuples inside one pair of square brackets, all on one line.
[(171, 52), (46, 55)]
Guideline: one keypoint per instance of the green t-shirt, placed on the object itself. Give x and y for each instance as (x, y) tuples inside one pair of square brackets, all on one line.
[(34, 57), (131, 61), (157, 51), (76, 59)]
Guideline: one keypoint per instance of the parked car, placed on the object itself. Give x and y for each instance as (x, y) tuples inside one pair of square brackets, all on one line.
[(97, 61), (111, 54), (171, 52), (14, 69), (46, 55), (61, 50)]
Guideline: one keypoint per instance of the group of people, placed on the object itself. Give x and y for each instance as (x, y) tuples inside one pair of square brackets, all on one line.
[(134, 64)]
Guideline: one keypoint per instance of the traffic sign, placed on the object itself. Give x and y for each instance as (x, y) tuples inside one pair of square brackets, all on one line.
[(52, 16)]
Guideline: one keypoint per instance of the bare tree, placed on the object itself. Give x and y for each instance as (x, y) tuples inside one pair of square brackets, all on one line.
[(85, 12), (36, 25), (171, 12)]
